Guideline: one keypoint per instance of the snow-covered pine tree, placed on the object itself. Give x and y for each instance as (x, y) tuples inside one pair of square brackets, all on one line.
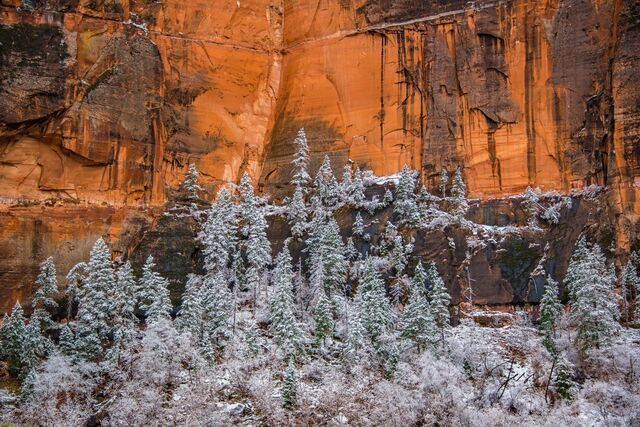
[(331, 251), (219, 234), (124, 305), (629, 283), (190, 183), (387, 199), (327, 189), (563, 378), (594, 310), (153, 294), (217, 309), (393, 247), (252, 339), (460, 204), (258, 248), (405, 205), (357, 189), (420, 281), (418, 323), (375, 312), (317, 279), (439, 300), (190, 317), (578, 257), (346, 185), (322, 179), (426, 204), (424, 197), (285, 328), (444, 179), (12, 336), (356, 334), (323, 317), (350, 251), (550, 312), (43, 299), (358, 226), (66, 341), (531, 205), (95, 306), (300, 161), (297, 214), (75, 277), (33, 348), (289, 390)]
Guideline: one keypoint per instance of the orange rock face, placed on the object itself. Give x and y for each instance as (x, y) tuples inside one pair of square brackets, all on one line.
[(103, 104)]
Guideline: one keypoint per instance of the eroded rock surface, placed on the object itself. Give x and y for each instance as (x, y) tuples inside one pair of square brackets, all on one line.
[(103, 104)]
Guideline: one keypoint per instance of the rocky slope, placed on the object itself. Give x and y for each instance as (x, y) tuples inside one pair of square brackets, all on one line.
[(104, 103)]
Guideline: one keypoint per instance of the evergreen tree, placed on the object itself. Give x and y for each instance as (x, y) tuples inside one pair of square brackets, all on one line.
[(95, 307), (405, 205), (444, 179), (439, 298), (21, 345), (580, 255), (346, 185), (563, 379), (387, 199), (297, 213), (46, 289), (459, 196), (252, 339), (356, 333), (327, 189), (284, 325), (153, 294), (32, 349), (190, 316), (593, 306), (190, 183), (300, 162), (550, 312), (374, 307), (66, 342), (418, 323), (13, 334), (87, 344), (424, 198), (323, 318), (217, 309), (331, 252), (289, 389), (317, 278), (357, 189), (258, 248), (358, 226), (220, 233), (124, 304), (425, 204), (350, 252), (420, 281), (75, 278), (629, 283), (393, 247), (531, 207)]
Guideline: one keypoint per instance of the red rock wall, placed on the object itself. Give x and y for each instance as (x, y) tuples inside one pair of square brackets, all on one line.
[(103, 104)]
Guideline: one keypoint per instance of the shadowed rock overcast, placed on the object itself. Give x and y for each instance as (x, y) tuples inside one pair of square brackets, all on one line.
[(104, 104)]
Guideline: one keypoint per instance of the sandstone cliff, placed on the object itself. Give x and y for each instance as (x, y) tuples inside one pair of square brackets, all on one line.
[(104, 103)]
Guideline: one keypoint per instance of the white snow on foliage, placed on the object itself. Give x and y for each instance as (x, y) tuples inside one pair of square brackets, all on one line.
[(340, 324)]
